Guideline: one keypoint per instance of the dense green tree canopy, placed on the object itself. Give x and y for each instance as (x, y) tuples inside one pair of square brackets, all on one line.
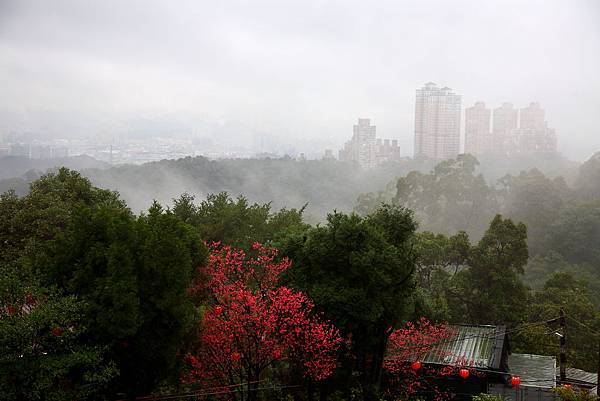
[(237, 222), (575, 234), (490, 291), (562, 290), (124, 278), (588, 181), (359, 272), (534, 199), (449, 199)]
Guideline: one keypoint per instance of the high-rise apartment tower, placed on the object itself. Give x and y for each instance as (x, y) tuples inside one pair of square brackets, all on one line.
[(437, 122), (477, 130)]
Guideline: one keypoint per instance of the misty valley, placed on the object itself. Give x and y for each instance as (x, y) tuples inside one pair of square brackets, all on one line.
[(299, 200), (102, 265)]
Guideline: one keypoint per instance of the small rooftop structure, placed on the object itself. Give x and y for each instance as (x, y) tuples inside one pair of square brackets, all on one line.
[(538, 378), (581, 378), (476, 346), (534, 370)]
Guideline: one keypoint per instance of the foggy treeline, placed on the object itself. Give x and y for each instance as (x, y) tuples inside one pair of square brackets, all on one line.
[(523, 232), (558, 199), (324, 185)]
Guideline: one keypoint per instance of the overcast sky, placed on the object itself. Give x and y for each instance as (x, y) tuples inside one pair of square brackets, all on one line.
[(299, 69)]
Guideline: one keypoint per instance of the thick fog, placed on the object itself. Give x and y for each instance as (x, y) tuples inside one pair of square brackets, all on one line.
[(300, 71)]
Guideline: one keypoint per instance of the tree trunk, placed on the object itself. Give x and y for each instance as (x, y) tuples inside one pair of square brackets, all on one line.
[(252, 388)]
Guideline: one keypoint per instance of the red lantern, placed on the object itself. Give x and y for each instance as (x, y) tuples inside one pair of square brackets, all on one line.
[(416, 365), (57, 331), (29, 299), (218, 310), (515, 380), (464, 373)]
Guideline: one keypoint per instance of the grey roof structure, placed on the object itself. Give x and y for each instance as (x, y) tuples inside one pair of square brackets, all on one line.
[(581, 377), (534, 370)]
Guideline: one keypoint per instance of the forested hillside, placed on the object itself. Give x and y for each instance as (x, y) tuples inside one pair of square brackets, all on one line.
[(562, 220), (98, 302), (324, 185)]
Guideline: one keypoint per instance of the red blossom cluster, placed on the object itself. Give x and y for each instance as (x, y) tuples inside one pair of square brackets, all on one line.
[(18, 307), (255, 322)]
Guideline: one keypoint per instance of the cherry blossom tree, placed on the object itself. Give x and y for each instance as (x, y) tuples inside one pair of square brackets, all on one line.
[(253, 323)]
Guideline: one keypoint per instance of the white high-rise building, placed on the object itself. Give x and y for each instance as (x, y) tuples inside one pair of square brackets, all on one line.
[(477, 130), (437, 122), (366, 149)]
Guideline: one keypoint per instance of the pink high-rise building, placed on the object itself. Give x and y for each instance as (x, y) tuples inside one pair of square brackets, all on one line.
[(533, 134), (477, 130), (505, 120)]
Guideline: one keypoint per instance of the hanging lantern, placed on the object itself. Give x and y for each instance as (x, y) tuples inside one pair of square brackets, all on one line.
[(416, 365), (218, 310), (464, 373), (515, 380)]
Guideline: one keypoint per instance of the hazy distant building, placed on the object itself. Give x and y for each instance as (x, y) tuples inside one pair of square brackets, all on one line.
[(40, 152), (60, 152), (533, 134), (365, 149), (19, 150), (477, 130), (387, 151), (437, 122), (505, 120), (529, 141), (513, 132), (532, 117)]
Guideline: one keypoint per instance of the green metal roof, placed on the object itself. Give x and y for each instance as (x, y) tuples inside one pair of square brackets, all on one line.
[(476, 346)]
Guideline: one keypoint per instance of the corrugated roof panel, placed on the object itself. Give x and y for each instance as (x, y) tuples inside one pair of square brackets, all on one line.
[(582, 376), (472, 345), (534, 370)]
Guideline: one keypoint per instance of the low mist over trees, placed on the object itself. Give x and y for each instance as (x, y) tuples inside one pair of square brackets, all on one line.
[(99, 302)]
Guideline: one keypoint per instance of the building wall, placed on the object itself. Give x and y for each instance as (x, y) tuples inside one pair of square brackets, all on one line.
[(524, 132), (505, 119), (437, 122), (477, 130), (533, 117)]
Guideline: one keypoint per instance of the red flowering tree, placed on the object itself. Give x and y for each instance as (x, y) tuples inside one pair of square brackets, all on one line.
[(409, 346), (253, 322)]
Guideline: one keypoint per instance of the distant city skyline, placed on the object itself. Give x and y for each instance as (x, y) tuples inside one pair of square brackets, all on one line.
[(302, 71), (513, 131)]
